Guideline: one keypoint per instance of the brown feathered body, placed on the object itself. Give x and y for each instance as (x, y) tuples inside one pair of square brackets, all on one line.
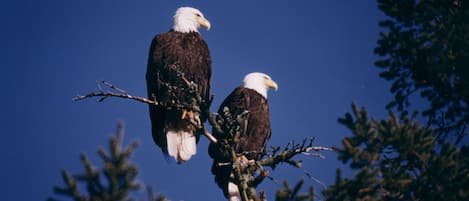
[(176, 59), (255, 130)]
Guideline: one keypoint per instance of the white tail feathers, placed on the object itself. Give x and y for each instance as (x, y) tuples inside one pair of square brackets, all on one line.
[(181, 145), (233, 192)]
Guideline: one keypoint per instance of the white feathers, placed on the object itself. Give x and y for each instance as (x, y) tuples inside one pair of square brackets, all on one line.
[(188, 146), (233, 192), (259, 82), (181, 145), (188, 19)]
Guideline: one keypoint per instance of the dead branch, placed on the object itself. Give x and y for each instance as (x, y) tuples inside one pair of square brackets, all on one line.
[(210, 137), (290, 151), (315, 179), (113, 91)]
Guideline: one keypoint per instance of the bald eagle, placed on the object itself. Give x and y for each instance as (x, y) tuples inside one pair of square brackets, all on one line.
[(179, 60), (254, 131)]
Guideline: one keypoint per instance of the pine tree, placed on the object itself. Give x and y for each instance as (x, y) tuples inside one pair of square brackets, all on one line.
[(118, 172), (425, 51), (398, 159)]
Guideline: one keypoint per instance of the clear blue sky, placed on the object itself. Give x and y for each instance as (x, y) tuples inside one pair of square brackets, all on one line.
[(319, 52)]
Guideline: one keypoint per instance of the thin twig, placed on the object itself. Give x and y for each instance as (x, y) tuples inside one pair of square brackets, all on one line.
[(314, 148), (316, 180), (314, 155), (110, 85), (210, 137)]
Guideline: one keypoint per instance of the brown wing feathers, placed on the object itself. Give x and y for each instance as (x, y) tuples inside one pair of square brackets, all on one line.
[(254, 133), (172, 53)]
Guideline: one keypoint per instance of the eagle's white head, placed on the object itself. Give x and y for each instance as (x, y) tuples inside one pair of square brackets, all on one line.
[(189, 19), (259, 82)]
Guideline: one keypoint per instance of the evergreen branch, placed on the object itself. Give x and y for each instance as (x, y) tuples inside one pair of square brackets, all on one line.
[(293, 194), (152, 197), (71, 188), (119, 172)]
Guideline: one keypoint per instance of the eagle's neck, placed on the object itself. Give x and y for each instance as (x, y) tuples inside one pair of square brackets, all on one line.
[(259, 88), (185, 25)]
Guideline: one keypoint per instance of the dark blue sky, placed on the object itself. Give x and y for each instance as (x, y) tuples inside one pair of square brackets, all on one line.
[(319, 52)]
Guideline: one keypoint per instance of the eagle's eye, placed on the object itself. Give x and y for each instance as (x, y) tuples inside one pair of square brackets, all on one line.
[(197, 14)]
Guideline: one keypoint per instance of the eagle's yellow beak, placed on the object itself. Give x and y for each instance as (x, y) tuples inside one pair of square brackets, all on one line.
[(271, 84), (203, 22)]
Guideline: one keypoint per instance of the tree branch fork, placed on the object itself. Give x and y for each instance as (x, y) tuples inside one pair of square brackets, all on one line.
[(247, 173)]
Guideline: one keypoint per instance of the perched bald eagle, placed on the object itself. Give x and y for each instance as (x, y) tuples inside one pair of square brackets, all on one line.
[(179, 60), (254, 130)]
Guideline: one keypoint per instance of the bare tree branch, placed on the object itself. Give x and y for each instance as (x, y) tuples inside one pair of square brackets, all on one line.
[(113, 91), (290, 151), (315, 179), (210, 137)]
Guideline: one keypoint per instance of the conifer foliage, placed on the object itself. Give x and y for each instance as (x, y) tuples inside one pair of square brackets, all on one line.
[(118, 172), (289, 194), (398, 160), (425, 50)]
